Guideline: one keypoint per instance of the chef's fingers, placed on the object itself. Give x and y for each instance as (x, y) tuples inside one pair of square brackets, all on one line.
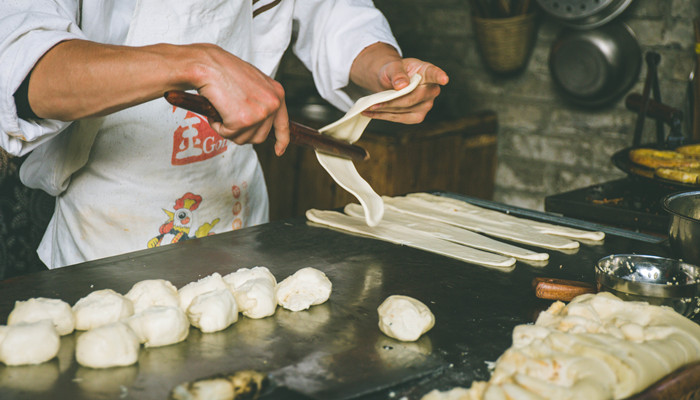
[(411, 115), (262, 132), (433, 74), (281, 125), (422, 93), (429, 72)]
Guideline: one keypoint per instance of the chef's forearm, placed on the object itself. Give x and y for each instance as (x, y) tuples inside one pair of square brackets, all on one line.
[(78, 79), (367, 70)]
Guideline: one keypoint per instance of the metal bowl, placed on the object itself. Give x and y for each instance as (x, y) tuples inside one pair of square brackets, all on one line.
[(595, 67), (656, 280), (684, 228), (584, 14)]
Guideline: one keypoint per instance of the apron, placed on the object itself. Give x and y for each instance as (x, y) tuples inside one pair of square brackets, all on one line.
[(157, 174)]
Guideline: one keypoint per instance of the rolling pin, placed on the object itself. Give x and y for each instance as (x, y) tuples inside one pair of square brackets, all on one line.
[(560, 289), (299, 134)]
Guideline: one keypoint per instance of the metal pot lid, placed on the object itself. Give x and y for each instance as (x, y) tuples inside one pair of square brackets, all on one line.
[(584, 14)]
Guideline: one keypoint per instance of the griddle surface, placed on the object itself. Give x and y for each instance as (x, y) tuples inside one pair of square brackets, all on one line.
[(332, 351)]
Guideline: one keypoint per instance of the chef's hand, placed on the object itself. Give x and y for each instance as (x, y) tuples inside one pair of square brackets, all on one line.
[(379, 67), (250, 103), (81, 79)]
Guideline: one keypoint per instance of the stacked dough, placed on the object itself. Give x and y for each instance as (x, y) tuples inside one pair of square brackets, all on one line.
[(153, 313), (596, 347), (456, 229)]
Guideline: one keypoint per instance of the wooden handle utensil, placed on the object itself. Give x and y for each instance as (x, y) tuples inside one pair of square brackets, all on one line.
[(560, 289), (300, 135)]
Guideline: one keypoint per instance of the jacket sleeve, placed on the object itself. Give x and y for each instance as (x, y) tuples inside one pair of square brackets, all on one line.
[(28, 29), (331, 34)]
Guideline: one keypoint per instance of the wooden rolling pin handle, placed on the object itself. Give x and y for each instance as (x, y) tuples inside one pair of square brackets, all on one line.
[(681, 384), (655, 110), (194, 103), (299, 134), (560, 289), (303, 135)]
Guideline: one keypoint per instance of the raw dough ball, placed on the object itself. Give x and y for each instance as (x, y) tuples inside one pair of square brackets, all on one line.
[(243, 275), (101, 307), (404, 318), (256, 298), (193, 289), (28, 343), (254, 291), (307, 287), (213, 311), (40, 308), (160, 325), (153, 292), (113, 345)]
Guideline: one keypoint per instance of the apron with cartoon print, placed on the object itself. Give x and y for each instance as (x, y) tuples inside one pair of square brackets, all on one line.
[(158, 174)]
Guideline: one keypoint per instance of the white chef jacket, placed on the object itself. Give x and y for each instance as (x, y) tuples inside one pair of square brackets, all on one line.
[(330, 35)]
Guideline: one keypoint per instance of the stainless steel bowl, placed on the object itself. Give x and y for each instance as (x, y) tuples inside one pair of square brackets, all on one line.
[(684, 228), (656, 280)]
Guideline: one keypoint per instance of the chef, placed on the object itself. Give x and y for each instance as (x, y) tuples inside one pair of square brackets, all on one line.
[(81, 92)]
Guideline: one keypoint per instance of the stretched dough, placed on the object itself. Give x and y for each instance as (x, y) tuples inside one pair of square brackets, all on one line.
[(409, 237), (478, 222), (350, 128), (404, 318), (537, 226), (392, 219), (36, 309)]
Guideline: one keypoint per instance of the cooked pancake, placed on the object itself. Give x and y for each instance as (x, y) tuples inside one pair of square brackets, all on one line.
[(679, 174), (692, 150), (653, 158)]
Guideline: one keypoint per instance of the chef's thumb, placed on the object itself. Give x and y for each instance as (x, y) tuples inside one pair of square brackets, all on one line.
[(398, 76)]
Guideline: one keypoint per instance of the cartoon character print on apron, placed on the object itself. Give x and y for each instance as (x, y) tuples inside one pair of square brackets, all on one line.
[(158, 174)]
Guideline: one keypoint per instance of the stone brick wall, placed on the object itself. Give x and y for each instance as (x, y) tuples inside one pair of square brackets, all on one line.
[(546, 145)]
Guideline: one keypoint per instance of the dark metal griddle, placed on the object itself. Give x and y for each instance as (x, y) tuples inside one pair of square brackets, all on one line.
[(333, 351)]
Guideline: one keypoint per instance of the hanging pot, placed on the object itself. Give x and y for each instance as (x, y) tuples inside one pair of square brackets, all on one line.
[(595, 67), (584, 14)]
